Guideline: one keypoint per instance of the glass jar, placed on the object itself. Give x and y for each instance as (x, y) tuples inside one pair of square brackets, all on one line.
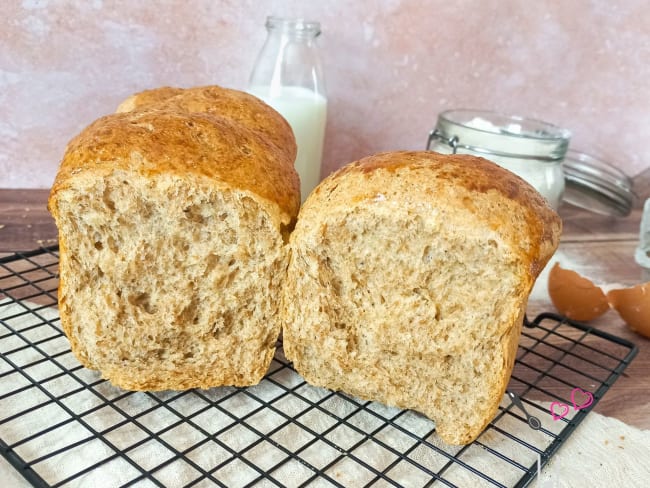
[(289, 77), (642, 253), (532, 149)]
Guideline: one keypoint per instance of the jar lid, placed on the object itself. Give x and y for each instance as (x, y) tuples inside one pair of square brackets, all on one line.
[(595, 185)]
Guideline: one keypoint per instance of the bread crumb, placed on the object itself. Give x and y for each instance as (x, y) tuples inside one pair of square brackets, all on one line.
[(606, 442), (46, 241), (2, 226), (622, 437)]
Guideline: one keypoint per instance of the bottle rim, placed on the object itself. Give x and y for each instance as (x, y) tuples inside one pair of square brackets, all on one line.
[(294, 24)]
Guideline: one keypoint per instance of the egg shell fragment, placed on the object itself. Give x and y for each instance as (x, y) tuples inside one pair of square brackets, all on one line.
[(575, 296), (633, 305)]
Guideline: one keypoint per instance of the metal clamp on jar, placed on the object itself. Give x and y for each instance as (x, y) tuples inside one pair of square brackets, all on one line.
[(538, 152), (532, 149)]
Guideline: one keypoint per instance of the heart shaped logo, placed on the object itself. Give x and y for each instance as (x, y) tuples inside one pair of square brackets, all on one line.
[(563, 409), (583, 400)]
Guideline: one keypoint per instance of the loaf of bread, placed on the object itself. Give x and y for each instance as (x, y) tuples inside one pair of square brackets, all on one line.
[(172, 229), (408, 279)]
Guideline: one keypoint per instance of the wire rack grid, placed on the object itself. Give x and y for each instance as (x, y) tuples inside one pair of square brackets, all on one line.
[(62, 425)]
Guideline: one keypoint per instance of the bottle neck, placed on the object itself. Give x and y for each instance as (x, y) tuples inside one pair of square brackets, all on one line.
[(288, 59), (296, 29)]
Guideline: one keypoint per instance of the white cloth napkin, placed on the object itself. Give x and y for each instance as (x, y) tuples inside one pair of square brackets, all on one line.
[(602, 452)]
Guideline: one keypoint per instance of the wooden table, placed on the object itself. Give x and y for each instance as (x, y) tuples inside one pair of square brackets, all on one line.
[(599, 247)]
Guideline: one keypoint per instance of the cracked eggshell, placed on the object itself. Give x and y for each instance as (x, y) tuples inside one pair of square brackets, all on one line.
[(633, 305), (575, 296)]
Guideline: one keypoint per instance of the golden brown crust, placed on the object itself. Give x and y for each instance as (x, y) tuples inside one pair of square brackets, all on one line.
[(236, 105), (163, 141), (147, 97), (156, 379), (238, 108)]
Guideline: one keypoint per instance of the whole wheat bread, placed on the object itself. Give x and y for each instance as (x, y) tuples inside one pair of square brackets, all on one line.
[(172, 228), (408, 280)]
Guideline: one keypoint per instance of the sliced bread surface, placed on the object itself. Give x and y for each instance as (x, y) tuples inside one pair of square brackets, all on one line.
[(408, 279), (172, 229)]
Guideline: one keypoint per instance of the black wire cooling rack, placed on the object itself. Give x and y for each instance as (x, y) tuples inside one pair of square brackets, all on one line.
[(62, 425)]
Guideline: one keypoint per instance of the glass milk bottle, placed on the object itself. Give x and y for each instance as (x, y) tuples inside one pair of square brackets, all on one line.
[(288, 76)]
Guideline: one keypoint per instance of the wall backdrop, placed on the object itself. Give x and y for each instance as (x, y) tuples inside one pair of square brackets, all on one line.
[(390, 66)]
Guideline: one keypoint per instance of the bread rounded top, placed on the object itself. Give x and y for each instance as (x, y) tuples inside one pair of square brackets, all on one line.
[(146, 97), (230, 142), (483, 190), (236, 105)]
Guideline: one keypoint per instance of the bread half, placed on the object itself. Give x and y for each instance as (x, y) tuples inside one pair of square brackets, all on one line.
[(172, 229), (408, 280)]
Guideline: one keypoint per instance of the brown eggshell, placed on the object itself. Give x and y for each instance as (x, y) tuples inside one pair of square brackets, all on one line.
[(633, 304), (575, 296)]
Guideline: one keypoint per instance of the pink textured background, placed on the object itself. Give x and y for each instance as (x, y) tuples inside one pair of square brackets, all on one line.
[(391, 66)]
